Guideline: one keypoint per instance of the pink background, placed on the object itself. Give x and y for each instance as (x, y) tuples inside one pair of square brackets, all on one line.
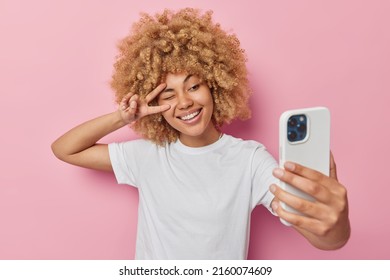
[(55, 65)]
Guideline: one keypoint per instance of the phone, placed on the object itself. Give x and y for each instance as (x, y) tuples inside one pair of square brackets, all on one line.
[(304, 138)]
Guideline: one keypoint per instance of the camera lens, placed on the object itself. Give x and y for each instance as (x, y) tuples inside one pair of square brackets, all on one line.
[(292, 135), (301, 127), (292, 122)]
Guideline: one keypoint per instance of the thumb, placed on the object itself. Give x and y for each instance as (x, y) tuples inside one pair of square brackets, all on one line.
[(332, 168)]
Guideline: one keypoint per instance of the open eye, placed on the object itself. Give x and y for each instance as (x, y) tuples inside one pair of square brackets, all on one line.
[(194, 87)]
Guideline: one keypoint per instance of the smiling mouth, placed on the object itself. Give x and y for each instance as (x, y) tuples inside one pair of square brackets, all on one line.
[(190, 116)]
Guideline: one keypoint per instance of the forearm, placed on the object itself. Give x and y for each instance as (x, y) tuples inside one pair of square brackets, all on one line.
[(86, 135), (79, 145)]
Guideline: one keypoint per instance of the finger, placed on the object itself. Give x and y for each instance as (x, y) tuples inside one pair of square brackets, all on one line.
[(332, 168), (131, 104), (308, 173), (330, 182), (125, 101), (304, 206), (158, 109), (304, 171), (132, 109), (133, 99), (297, 221), (153, 94), (313, 188)]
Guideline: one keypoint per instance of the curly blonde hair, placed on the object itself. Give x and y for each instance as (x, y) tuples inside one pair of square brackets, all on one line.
[(182, 42)]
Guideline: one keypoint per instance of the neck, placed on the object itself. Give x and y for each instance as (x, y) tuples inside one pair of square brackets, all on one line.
[(209, 136)]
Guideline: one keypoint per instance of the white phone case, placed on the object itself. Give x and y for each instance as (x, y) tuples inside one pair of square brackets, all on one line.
[(313, 151)]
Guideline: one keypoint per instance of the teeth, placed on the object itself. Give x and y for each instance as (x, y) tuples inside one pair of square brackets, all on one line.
[(190, 116)]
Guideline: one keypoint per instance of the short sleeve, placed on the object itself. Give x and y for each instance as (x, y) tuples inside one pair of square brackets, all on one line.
[(123, 158), (262, 166)]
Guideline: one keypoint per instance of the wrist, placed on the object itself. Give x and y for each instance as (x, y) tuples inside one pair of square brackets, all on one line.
[(118, 121)]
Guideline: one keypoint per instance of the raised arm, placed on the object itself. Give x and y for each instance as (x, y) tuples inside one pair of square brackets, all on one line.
[(79, 145)]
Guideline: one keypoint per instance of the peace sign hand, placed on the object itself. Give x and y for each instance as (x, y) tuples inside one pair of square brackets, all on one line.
[(132, 108)]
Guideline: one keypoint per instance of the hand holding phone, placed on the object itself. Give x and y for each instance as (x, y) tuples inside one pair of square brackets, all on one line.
[(304, 138)]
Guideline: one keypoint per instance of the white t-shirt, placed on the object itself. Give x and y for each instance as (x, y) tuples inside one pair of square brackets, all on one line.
[(195, 203)]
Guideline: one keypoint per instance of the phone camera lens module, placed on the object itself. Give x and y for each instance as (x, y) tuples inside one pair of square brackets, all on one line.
[(292, 136), (292, 122), (296, 128), (301, 127)]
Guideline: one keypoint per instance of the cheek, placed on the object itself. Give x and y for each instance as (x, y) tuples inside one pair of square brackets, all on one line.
[(169, 118), (169, 113), (207, 100)]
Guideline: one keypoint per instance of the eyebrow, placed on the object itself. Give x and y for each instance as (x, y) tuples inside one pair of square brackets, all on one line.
[(187, 78), (184, 81)]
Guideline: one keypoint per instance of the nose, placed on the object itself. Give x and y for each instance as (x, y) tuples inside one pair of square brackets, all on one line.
[(184, 101)]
